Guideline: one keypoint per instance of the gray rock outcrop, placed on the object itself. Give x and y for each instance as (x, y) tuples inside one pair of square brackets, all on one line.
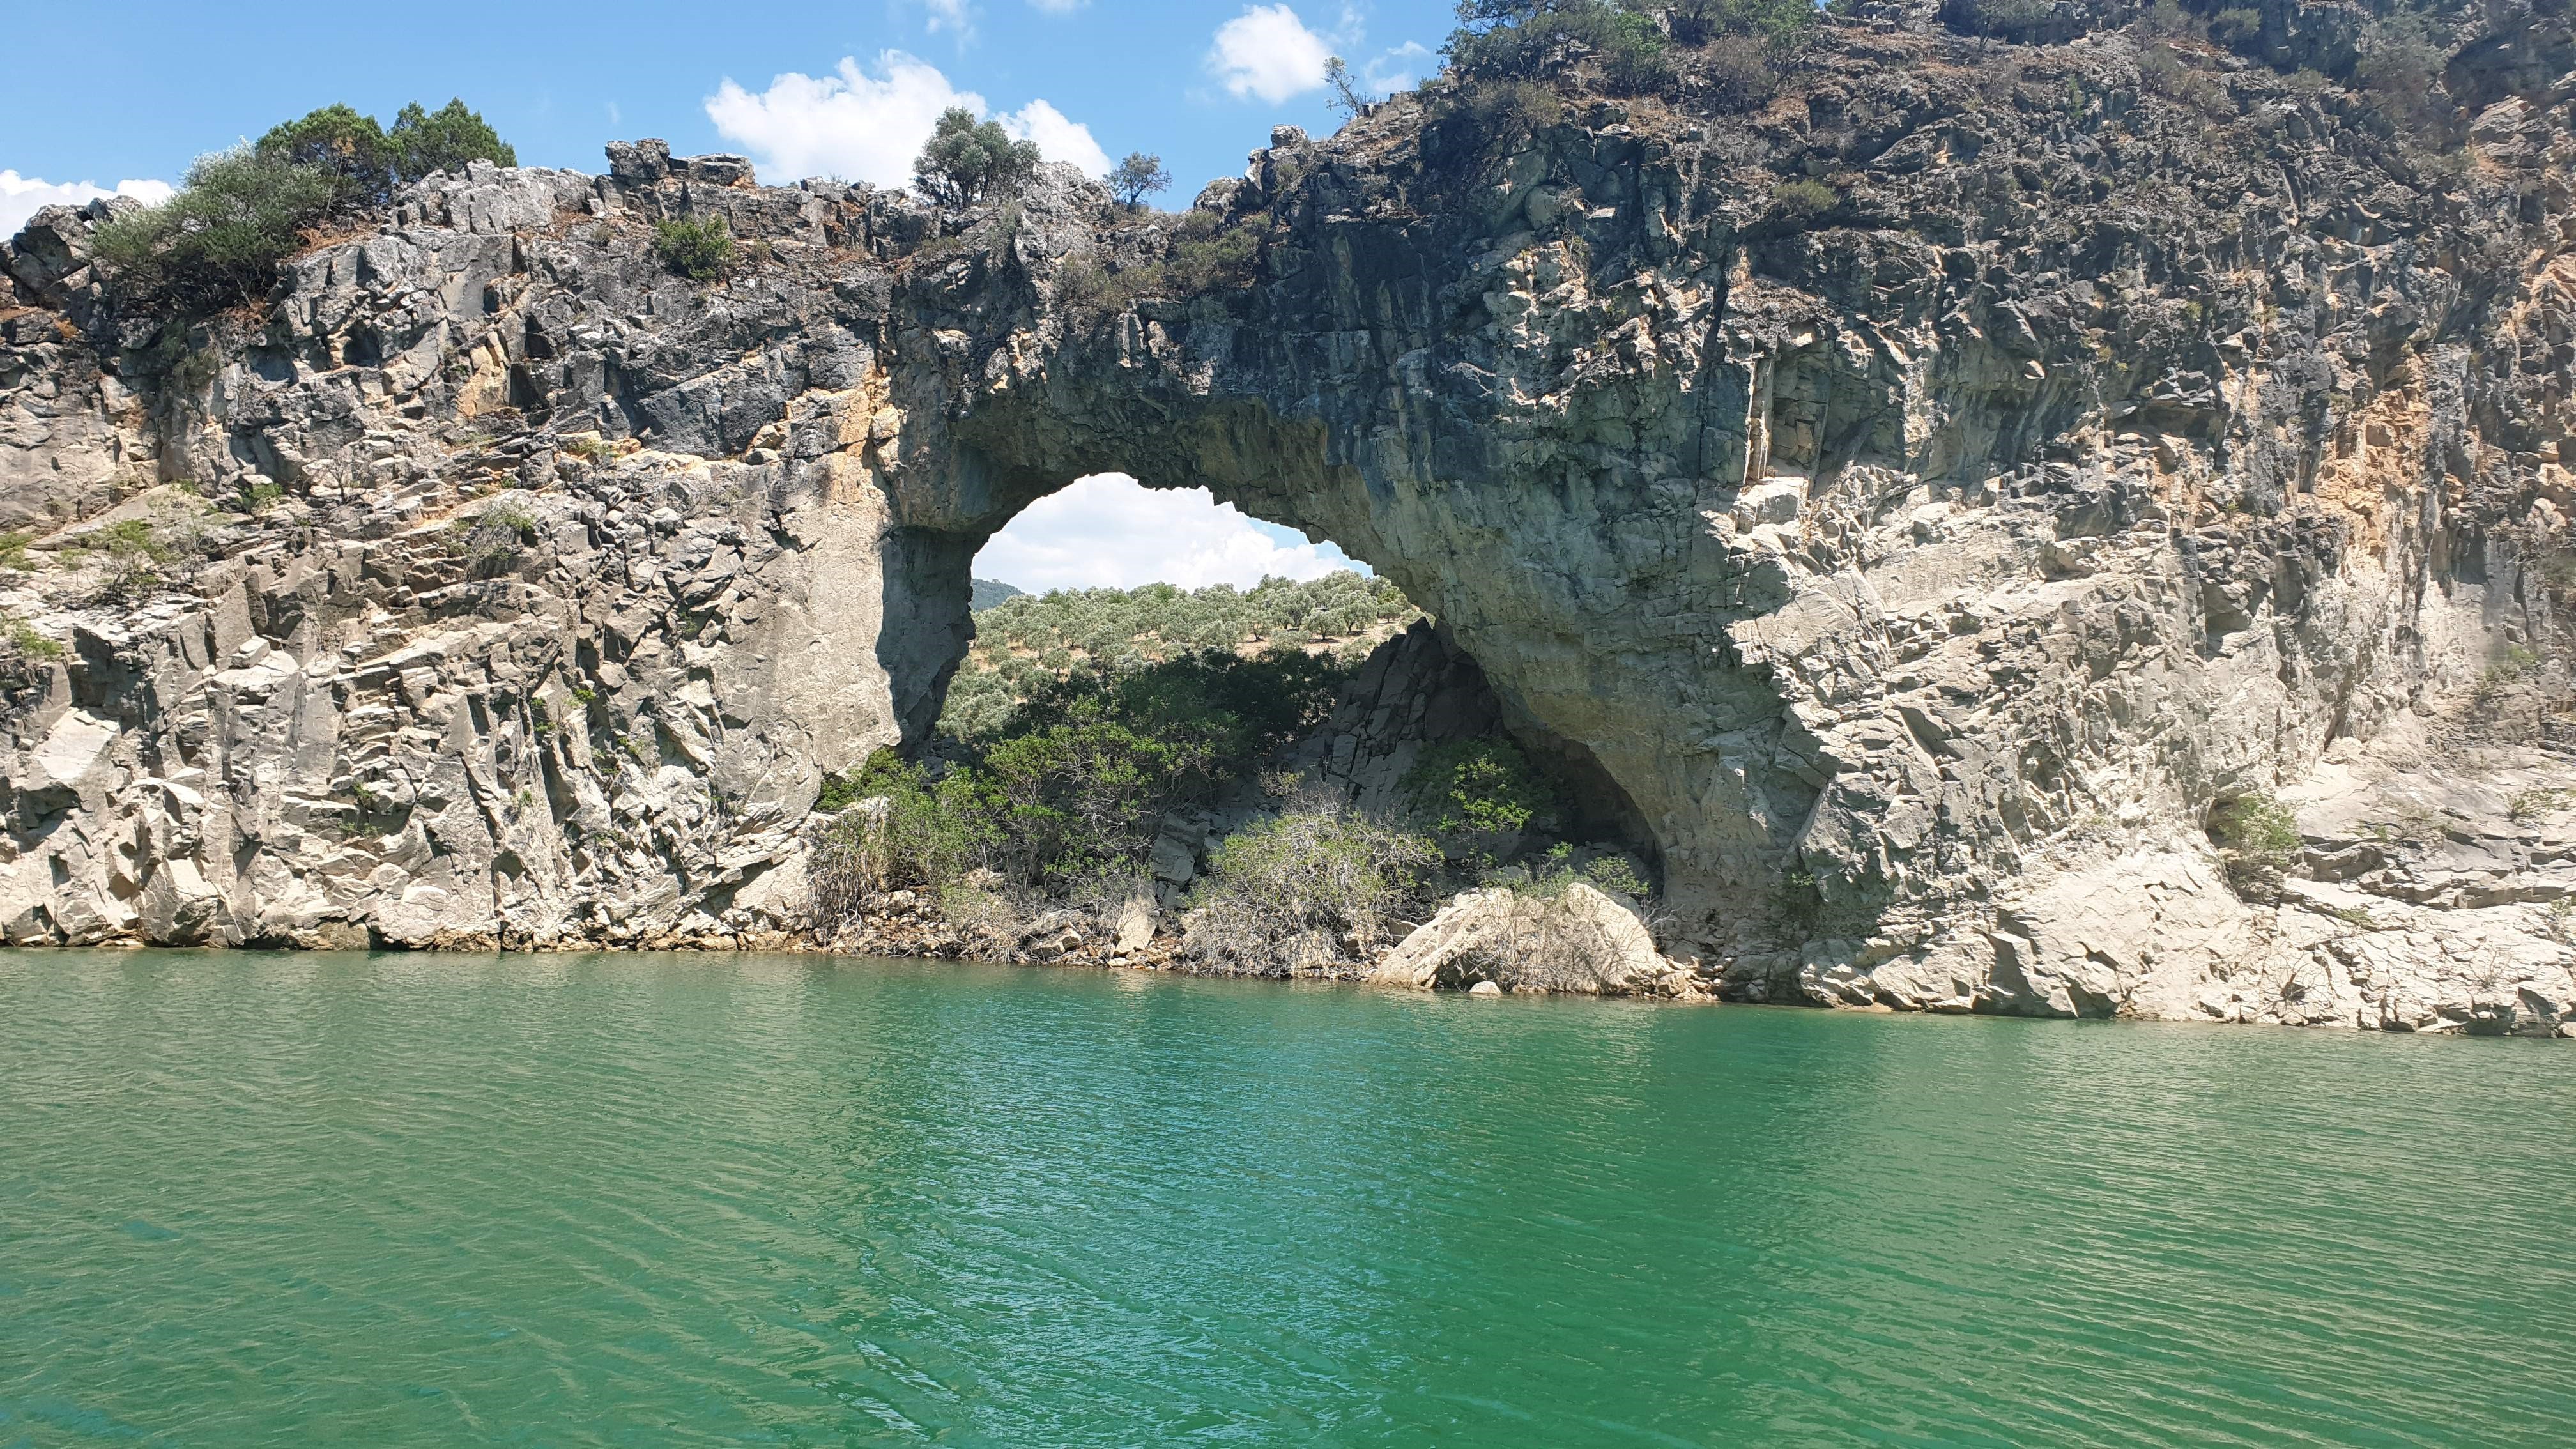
[(1911, 579)]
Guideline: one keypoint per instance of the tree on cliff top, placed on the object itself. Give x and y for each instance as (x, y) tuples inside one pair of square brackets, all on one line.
[(1137, 177), (968, 160), (368, 163)]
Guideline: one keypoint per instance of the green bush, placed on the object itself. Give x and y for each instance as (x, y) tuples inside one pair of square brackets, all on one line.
[(923, 835), (1315, 890), (1530, 39), (967, 161), (2025, 21), (1082, 774), (491, 541), (217, 243), (2400, 71), (368, 164), (698, 248), (2239, 30), (1475, 793), (1803, 201), (2258, 838), (1029, 641), (23, 651), (424, 142), (1775, 22), (13, 548)]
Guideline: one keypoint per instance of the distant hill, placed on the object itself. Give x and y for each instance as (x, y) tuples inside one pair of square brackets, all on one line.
[(989, 592), (1033, 638)]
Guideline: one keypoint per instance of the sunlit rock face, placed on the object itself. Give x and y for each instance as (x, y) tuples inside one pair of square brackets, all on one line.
[(1910, 576)]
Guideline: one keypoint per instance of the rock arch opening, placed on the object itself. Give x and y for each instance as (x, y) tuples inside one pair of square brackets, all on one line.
[(1404, 687)]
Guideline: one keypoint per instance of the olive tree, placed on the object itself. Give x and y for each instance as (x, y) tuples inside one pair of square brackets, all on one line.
[(1137, 177), (967, 160)]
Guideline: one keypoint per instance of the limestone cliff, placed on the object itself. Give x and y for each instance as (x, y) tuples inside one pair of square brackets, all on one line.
[(1911, 570)]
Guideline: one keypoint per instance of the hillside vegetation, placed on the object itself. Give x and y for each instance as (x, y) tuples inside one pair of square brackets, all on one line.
[(1026, 644)]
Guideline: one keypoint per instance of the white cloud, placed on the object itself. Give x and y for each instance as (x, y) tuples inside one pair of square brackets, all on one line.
[(1400, 69), (1058, 139), (1269, 53), (23, 196), (866, 127), (952, 15), (1108, 531)]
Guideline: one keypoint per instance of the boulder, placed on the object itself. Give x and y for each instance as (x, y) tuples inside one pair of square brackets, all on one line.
[(1580, 940)]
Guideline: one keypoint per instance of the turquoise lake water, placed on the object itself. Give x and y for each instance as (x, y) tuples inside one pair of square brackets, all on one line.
[(414, 1200)]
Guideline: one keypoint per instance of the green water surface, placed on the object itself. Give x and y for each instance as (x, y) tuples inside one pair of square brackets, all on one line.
[(417, 1200)]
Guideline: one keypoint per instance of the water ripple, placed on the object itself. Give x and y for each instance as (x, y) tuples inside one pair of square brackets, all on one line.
[(644, 1201)]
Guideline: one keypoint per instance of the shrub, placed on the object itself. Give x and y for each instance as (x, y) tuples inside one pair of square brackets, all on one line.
[(2259, 839), (1800, 904), (966, 161), (338, 143), (1528, 39), (1477, 794), (2400, 72), (698, 248), (368, 164), (1743, 73), (1314, 891), (1137, 177), (1085, 285), (1204, 257), (423, 142), (261, 496), (1803, 201), (2239, 30), (23, 651), (491, 541), (917, 836), (13, 548), (2025, 21), (1774, 22), (1549, 876), (217, 243), (134, 551)]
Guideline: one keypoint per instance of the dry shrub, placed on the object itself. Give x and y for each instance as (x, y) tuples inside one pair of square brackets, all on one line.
[(1317, 890)]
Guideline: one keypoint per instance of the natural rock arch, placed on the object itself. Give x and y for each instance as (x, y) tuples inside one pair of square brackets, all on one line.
[(1875, 557)]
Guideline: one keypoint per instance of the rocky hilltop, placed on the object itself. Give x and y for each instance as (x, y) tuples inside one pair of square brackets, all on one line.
[(1918, 507)]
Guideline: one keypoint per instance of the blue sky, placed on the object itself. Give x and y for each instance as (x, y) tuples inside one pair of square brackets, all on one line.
[(108, 92), (122, 95)]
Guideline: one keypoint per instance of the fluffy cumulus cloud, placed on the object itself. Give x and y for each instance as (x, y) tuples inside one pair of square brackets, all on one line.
[(1267, 53), (867, 127), (23, 196), (1058, 139), (1107, 531)]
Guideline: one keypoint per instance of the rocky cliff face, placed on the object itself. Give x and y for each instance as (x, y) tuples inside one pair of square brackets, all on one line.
[(1912, 565)]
